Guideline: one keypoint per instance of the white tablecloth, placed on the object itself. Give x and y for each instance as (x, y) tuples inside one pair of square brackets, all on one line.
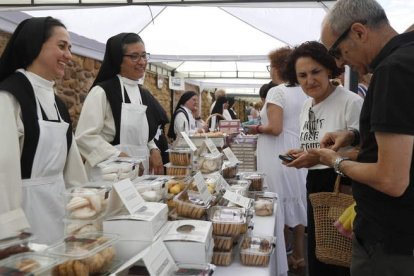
[(263, 226)]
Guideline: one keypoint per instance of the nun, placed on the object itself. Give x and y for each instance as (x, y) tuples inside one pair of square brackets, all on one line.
[(39, 158), (119, 116), (183, 119)]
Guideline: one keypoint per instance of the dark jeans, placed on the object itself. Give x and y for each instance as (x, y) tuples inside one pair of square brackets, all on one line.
[(320, 181), (371, 259)]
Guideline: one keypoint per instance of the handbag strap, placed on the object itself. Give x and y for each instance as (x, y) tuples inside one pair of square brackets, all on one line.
[(337, 183)]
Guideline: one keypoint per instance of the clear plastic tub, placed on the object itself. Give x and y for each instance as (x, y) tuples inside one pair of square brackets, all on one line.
[(177, 170), (223, 243), (222, 258), (85, 254), (256, 251), (29, 263), (229, 170), (256, 178), (227, 221), (263, 206), (86, 202), (239, 186), (79, 226), (189, 204), (180, 157), (210, 163), (15, 245), (153, 191)]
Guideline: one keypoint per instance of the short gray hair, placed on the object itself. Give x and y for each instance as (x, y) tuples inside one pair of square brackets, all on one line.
[(346, 12)]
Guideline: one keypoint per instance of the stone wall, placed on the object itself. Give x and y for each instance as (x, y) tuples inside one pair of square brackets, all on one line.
[(81, 72)]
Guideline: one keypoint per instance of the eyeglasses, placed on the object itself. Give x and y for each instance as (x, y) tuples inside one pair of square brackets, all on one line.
[(311, 122), (268, 67), (334, 50), (138, 57)]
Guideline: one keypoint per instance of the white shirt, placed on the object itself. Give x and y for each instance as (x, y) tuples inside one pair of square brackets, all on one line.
[(339, 111), (12, 138), (181, 123), (96, 125)]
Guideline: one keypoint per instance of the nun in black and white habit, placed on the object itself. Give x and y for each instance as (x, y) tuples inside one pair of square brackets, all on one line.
[(39, 158), (119, 116)]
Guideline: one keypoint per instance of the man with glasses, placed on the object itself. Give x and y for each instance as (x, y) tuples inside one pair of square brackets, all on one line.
[(358, 33), (119, 116)]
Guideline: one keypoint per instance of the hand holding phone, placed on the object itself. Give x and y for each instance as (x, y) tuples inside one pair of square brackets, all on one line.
[(287, 158)]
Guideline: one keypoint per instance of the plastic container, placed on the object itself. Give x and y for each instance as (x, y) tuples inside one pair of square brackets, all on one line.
[(229, 170), (222, 258), (223, 243), (239, 186), (152, 191), (210, 163), (85, 254), (79, 226), (263, 206), (227, 221), (29, 263), (180, 157), (256, 251), (15, 245), (86, 202), (194, 270), (189, 204), (256, 178), (177, 170)]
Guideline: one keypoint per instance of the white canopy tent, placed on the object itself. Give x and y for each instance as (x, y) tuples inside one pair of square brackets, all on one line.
[(205, 43)]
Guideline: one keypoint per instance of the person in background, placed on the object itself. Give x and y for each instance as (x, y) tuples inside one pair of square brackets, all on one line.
[(217, 95), (160, 138), (264, 89), (255, 112), (363, 85), (232, 113), (279, 131), (328, 108), (358, 33), (120, 117), (220, 107), (39, 158), (183, 119)]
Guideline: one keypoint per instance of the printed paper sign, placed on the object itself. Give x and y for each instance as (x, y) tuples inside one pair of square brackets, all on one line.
[(211, 146), (230, 156), (188, 141), (158, 260), (202, 188), (238, 199), (129, 195)]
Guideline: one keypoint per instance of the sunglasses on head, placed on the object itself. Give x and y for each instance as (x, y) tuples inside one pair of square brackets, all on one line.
[(334, 50)]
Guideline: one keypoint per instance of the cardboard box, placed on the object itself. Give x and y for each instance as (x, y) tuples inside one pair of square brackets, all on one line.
[(190, 241), (138, 230)]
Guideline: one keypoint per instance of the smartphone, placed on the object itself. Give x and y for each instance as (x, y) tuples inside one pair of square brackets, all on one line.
[(287, 157)]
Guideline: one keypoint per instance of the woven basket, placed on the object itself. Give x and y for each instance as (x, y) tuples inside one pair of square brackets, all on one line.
[(331, 246), (212, 115)]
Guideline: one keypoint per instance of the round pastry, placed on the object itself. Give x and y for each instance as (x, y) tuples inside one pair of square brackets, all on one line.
[(77, 202), (209, 166), (83, 213)]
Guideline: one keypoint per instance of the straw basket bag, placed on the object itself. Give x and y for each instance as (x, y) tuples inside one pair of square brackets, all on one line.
[(331, 246)]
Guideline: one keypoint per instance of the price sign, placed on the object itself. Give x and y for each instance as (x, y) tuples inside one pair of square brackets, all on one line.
[(129, 195)]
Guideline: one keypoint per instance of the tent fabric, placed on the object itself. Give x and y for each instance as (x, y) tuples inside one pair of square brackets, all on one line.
[(223, 41)]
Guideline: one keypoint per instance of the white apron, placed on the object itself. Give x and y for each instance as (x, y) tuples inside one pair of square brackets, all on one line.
[(133, 136), (43, 201)]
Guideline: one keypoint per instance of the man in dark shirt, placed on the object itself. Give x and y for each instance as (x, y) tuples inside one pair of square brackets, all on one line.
[(358, 33)]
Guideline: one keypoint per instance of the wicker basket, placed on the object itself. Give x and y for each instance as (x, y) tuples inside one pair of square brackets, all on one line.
[(211, 116), (331, 246)]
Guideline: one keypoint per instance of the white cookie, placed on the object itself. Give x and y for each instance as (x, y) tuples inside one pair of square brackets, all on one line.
[(77, 202)]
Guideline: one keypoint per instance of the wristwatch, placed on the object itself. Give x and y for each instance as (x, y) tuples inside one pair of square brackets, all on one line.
[(337, 163)]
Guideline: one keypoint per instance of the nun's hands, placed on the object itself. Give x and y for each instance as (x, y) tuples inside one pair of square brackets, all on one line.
[(155, 162)]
